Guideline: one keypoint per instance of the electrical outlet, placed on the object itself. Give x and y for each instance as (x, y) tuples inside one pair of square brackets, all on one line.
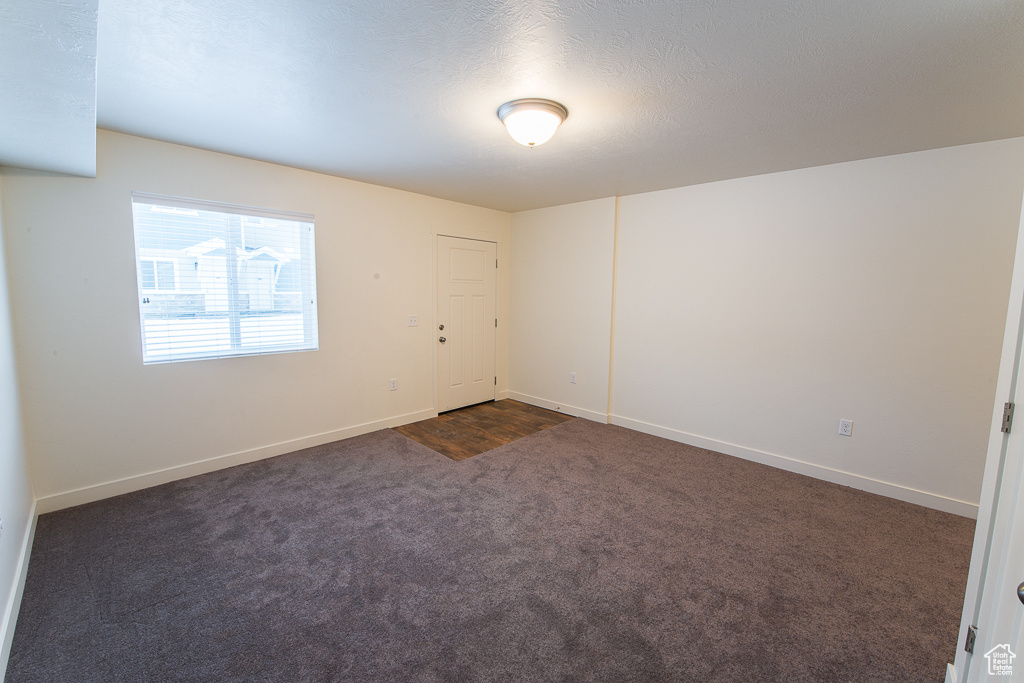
[(572, 377), (846, 427), (393, 384), (414, 320)]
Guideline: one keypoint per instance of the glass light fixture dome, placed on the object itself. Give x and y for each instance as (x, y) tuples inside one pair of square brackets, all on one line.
[(532, 122)]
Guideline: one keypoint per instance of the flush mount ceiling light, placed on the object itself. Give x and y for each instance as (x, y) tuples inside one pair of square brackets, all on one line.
[(532, 122)]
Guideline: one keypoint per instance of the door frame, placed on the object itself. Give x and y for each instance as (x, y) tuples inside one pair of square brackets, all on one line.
[(1005, 454), (479, 236)]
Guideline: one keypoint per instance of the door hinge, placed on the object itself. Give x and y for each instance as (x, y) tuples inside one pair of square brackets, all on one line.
[(495, 322), (1007, 417), (495, 381), (972, 635), (495, 263)]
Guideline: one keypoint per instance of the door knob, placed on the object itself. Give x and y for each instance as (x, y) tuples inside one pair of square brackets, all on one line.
[(1020, 592), (443, 340)]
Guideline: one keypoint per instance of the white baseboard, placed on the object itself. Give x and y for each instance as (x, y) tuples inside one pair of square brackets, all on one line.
[(950, 674), (89, 494), (591, 415), (857, 481), (17, 589)]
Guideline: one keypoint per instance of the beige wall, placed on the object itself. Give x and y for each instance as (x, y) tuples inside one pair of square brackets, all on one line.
[(16, 496), (95, 415), (561, 311), (752, 314)]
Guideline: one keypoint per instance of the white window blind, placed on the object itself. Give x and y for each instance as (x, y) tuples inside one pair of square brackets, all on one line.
[(219, 280)]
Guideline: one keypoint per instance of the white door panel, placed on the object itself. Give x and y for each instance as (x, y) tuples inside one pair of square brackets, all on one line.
[(1001, 617), (992, 603), (466, 305)]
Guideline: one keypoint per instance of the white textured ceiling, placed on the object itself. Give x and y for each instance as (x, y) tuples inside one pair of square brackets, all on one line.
[(48, 85), (660, 93)]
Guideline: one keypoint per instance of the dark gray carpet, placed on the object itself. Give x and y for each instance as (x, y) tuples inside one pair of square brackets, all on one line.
[(583, 552)]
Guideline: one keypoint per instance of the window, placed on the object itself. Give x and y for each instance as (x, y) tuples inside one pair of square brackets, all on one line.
[(219, 280), (156, 274)]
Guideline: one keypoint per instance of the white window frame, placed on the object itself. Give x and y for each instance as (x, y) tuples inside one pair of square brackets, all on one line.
[(307, 272)]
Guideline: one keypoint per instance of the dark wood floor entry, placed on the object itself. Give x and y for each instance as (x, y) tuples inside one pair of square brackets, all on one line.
[(463, 433)]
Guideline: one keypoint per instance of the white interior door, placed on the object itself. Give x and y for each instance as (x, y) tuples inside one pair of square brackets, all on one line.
[(466, 305), (991, 602), (999, 648)]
